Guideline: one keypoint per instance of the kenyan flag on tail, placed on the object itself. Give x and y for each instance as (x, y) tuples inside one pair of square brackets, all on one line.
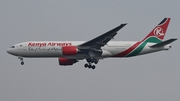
[(158, 33)]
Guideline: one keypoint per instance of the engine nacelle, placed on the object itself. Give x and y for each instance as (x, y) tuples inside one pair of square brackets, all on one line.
[(69, 50), (65, 61)]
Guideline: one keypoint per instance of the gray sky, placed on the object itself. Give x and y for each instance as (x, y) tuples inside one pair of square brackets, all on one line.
[(152, 77)]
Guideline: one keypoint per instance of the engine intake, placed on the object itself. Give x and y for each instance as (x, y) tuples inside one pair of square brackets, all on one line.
[(65, 61)]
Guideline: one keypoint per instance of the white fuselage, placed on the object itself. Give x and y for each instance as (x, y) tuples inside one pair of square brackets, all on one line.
[(54, 49)]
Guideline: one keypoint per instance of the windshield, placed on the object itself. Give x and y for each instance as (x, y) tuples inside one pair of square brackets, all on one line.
[(12, 46)]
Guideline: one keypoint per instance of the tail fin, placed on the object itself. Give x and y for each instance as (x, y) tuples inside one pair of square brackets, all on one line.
[(158, 33)]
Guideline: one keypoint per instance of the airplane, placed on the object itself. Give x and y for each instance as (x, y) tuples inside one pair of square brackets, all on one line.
[(70, 52)]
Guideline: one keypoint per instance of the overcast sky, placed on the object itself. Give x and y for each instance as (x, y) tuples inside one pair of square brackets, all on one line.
[(152, 77)]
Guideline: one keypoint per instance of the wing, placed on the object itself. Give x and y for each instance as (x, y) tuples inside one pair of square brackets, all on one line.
[(101, 40)]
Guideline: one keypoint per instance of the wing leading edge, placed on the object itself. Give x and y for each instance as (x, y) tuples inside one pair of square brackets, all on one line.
[(102, 40)]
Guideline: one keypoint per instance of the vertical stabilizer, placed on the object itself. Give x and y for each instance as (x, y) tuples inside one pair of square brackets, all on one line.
[(158, 33)]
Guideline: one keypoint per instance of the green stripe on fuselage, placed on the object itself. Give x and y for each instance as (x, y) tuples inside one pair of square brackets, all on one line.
[(143, 44), (137, 50), (153, 40)]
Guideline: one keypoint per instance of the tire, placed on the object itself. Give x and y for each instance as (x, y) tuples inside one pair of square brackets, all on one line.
[(93, 67), (86, 65), (89, 66), (22, 63)]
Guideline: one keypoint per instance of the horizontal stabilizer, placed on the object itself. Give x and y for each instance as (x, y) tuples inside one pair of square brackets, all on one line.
[(163, 43)]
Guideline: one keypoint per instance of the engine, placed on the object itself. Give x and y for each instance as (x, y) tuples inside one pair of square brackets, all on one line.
[(65, 61), (69, 50)]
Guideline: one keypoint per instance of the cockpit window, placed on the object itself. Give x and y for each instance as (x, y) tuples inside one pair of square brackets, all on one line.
[(12, 46)]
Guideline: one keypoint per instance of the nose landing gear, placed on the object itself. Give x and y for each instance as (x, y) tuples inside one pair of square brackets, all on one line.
[(22, 63), (21, 58)]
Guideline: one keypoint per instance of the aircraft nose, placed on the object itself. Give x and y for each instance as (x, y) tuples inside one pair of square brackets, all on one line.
[(10, 51)]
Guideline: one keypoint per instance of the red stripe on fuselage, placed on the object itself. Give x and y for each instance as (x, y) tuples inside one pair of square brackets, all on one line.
[(126, 52)]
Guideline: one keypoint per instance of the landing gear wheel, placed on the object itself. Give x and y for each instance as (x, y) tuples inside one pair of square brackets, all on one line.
[(86, 65), (95, 61), (89, 66), (21, 58), (90, 62), (93, 67), (22, 63)]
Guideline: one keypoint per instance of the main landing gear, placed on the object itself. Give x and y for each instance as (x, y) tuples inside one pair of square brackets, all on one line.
[(89, 64), (22, 62)]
